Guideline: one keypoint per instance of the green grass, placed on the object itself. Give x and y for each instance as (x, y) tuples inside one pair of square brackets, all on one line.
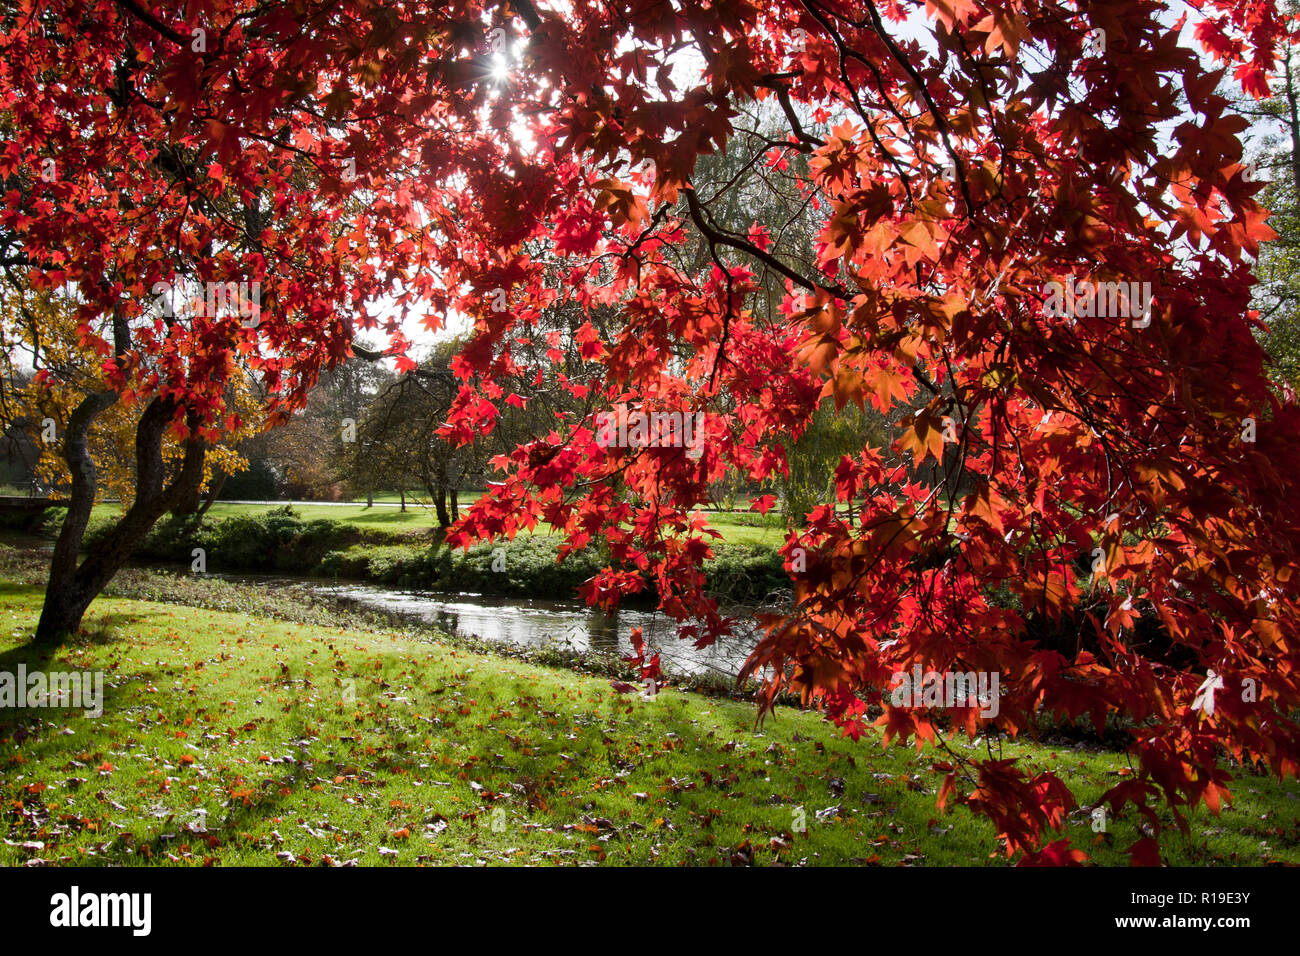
[(233, 739), (382, 517), (748, 527), (736, 527)]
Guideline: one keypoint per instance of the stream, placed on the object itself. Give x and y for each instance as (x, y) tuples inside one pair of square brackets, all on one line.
[(524, 623), (536, 623)]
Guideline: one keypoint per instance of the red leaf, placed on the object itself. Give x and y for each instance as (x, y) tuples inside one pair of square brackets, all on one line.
[(1055, 854), (1145, 852)]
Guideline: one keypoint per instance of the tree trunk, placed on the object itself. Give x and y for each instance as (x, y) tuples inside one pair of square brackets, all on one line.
[(64, 604), (71, 588), (186, 506), (214, 491), (440, 505), (370, 498), (402, 492), (455, 504), (438, 491), (1293, 115)]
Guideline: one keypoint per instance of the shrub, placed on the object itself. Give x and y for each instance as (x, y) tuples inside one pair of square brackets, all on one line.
[(745, 574)]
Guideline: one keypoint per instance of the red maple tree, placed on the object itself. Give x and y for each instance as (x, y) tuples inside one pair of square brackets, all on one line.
[(1034, 244)]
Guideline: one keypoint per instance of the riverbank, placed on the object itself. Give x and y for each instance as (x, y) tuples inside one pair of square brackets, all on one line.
[(241, 739), (284, 540), (740, 527), (596, 644)]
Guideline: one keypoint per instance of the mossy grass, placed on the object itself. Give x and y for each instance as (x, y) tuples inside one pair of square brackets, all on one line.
[(235, 739)]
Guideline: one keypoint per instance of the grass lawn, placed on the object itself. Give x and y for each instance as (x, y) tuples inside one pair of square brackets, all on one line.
[(234, 739), (381, 516), (736, 527)]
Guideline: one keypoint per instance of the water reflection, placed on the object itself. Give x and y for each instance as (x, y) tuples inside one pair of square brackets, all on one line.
[(535, 623), (602, 632)]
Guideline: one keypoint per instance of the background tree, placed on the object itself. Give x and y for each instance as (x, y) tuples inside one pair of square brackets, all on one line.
[(40, 402), (814, 457), (399, 443), (1276, 163)]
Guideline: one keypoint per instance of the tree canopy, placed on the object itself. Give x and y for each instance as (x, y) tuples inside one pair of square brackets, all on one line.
[(1031, 250)]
